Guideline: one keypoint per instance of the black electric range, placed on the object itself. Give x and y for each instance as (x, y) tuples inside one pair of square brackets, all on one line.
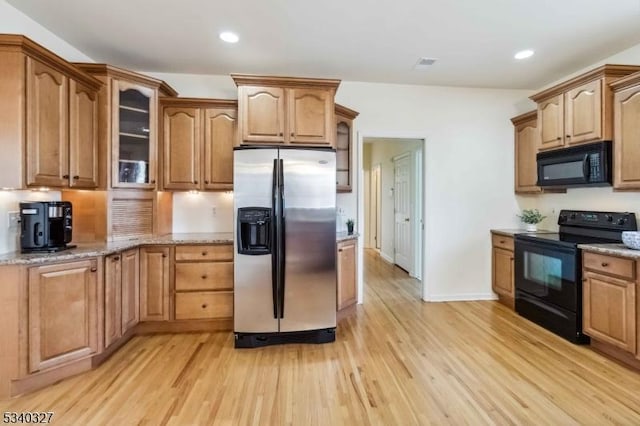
[(548, 268)]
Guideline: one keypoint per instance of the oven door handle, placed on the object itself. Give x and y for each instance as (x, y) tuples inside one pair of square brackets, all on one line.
[(585, 167)]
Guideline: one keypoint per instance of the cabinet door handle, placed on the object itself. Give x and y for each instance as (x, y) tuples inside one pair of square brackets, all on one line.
[(568, 136), (204, 253), (559, 138), (116, 258), (195, 181), (501, 241), (204, 277), (280, 134), (604, 264), (65, 176), (164, 255), (204, 306), (339, 249), (292, 134), (206, 182), (153, 181), (94, 269), (584, 280), (76, 177)]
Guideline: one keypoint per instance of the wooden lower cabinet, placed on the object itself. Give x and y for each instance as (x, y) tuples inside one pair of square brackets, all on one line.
[(154, 283), (502, 268), (204, 282), (63, 313), (347, 285), (112, 299), (609, 307), (130, 260)]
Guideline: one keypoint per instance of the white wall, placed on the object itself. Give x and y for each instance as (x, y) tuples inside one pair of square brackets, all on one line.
[(194, 212), (12, 21)]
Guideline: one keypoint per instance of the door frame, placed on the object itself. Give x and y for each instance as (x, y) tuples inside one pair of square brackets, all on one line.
[(361, 136)]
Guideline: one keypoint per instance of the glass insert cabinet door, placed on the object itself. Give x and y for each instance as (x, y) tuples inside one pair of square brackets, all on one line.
[(134, 136)]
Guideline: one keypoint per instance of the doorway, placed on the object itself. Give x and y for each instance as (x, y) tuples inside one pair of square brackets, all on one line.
[(392, 201)]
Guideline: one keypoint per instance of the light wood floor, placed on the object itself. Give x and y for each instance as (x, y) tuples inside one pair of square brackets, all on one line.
[(396, 361)]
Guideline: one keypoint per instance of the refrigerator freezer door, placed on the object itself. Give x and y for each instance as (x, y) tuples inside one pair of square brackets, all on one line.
[(309, 239), (253, 292)]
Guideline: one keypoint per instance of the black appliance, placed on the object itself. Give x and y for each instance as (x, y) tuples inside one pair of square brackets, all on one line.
[(582, 165), (46, 226), (548, 268)]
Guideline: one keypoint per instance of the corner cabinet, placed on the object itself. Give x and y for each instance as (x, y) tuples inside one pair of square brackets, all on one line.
[(626, 150), (502, 270), (50, 119), (198, 136), (128, 123), (63, 313), (286, 110), (526, 137), (579, 110), (344, 147)]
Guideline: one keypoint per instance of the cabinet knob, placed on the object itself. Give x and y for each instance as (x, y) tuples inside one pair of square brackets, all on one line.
[(76, 177), (204, 277), (204, 253), (339, 249), (65, 176), (292, 134), (568, 136), (584, 280), (195, 181), (153, 181), (164, 255), (94, 269), (204, 306), (116, 258), (501, 241), (604, 264), (206, 182), (558, 138), (280, 134)]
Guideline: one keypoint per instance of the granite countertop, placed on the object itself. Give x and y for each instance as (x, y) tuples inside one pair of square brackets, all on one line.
[(611, 249), (512, 232), (344, 236), (85, 250)]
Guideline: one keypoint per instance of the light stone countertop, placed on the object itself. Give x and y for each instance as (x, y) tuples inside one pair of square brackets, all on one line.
[(611, 249), (512, 232), (85, 250)]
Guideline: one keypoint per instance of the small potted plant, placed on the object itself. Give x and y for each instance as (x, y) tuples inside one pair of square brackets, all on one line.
[(531, 218), (350, 226)]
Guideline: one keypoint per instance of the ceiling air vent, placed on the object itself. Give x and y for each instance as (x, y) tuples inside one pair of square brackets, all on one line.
[(424, 63)]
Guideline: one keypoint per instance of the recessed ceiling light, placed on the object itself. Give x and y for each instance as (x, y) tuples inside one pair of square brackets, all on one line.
[(229, 37), (524, 54)]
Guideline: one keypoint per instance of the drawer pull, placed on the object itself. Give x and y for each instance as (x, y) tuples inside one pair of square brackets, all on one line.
[(604, 264), (204, 277), (501, 241), (94, 269), (164, 255), (204, 253), (204, 306), (116, 258)]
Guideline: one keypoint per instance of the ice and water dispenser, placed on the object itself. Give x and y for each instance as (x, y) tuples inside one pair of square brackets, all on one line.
[(254, 230)]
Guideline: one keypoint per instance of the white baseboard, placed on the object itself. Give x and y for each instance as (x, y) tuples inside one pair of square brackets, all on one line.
[(386, 257), (464, 297)]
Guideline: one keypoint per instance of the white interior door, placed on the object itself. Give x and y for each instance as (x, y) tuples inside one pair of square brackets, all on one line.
[(402, 212)]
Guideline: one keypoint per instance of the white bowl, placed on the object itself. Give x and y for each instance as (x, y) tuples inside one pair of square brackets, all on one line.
[(631, 239)]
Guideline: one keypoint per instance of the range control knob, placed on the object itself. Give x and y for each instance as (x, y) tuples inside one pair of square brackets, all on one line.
[(562, 218), (573, 216), (621, 221), (609, 218)]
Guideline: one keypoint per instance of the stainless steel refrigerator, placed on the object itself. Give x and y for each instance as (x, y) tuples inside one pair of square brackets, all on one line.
[(284, 245)]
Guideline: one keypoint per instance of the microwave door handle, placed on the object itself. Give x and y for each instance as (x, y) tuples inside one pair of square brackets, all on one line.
[(585, 167)]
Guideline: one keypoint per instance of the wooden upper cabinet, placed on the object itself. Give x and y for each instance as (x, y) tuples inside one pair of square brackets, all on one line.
[(63, 313), (198, 138), (262, 114), (344, 147), (182, 140), (83, 136), (583, 118), (220, 135), (551, 122), (526, 148), (311, 116), (47, 153), (286, 110), (579, 110), (626, 149)]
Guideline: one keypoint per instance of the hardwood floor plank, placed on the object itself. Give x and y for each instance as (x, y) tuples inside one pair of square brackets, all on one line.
[(396, 360)]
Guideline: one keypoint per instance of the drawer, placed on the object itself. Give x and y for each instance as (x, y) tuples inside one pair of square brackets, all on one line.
[(204, 305), (220, 252), (610, 265), (204, 276), (502, 241)]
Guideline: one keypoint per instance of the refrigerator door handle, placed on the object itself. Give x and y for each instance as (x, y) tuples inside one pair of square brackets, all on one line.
[(274, 239), (281, 238)]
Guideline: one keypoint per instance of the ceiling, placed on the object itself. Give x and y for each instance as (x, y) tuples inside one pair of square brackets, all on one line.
[(358, 40)]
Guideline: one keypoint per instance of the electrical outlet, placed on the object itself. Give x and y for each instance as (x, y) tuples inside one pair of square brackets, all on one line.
[(13, 221), (214, 211)]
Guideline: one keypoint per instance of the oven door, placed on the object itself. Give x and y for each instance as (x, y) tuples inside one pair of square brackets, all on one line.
[(548, 272)]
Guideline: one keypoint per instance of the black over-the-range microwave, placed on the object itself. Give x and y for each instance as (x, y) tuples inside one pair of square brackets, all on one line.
[(582, 165)]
